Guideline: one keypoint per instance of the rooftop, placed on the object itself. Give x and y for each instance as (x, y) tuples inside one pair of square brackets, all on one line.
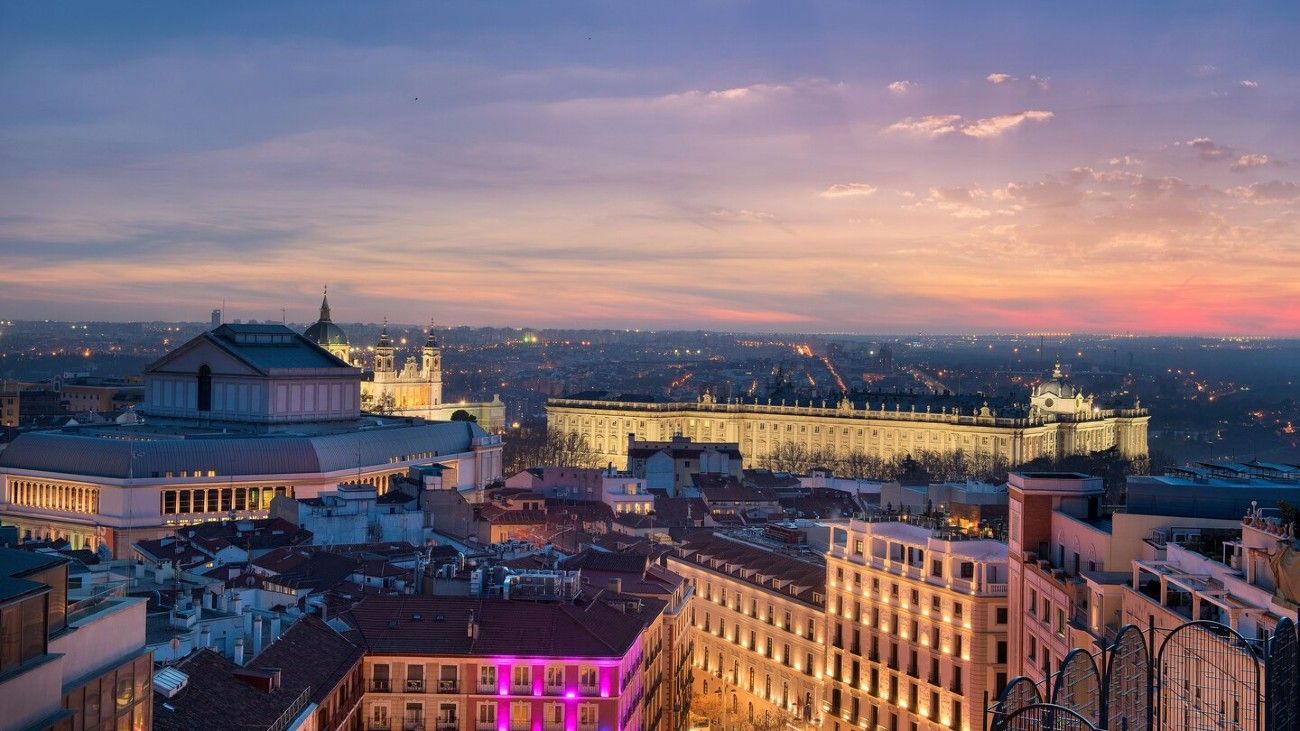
[(801, 579), (440, 626)]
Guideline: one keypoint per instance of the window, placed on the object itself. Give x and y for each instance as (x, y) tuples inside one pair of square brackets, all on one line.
[(586, 715), (1002, 651), (487, 678), (587, 675), (967, 570), (379, 715), (414, 715), (936, 567), (1033, 602), (554, 718), (554, 677), (487, 714), (521, 678), (205, 388), (521, 716), (415, 678), (1001, 615)]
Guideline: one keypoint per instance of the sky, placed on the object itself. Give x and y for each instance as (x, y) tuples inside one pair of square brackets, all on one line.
[(820, 167)]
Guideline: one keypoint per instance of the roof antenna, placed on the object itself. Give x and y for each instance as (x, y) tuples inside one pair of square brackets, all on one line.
[(282, 318)]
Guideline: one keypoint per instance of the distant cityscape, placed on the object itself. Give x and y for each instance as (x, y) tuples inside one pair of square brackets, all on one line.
[(285, 527)]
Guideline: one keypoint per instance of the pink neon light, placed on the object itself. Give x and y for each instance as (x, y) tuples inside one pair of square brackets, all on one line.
[(570, 695)]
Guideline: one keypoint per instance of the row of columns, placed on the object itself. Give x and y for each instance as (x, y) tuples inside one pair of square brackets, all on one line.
[(64, 498)]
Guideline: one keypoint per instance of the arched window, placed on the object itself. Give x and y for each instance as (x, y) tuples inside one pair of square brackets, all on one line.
[(205, 388)]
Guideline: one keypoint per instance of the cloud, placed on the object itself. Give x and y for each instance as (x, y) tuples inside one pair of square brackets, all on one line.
[(1248, 84), (934, 125), (1205, 69), (938, 125), (994, 126), (1207, 149), (1248, 161), (849, 190), (743, 215), (1000, 79), (1274, 191), (901, 87)]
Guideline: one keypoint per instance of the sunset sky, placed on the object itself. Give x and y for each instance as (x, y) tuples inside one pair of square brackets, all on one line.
[(750, 166)]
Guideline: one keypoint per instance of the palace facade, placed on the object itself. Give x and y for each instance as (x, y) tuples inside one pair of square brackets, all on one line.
[(1059, 420)]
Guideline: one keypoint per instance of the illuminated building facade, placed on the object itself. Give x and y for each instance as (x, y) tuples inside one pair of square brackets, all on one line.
[(1058, 421), (414, 388), (758, 629), (473, 664), (917, 626), (233, 418)]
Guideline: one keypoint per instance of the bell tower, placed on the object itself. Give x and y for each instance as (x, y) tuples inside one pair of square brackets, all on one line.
[(431, 367), (384, 351)]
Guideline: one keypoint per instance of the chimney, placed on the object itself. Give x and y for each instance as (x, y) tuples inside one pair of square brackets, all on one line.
[(205, 638), (139, 569), (257, 635), (239, 651), (616, 585), (207, 599), (275, 627), (223, 601), (471, 627), (237, 603)]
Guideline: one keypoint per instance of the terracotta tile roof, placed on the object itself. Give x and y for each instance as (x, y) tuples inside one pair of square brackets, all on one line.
[(439, 626)]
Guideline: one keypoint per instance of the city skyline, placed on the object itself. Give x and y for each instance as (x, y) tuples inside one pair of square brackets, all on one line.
[(744, 167)]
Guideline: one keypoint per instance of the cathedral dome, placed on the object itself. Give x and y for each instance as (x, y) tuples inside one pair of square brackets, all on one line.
[(324, 332)]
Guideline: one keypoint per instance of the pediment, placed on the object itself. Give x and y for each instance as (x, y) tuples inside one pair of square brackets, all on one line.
[(203, 351)]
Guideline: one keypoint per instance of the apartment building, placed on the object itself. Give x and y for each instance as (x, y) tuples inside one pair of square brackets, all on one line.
[(79, 664), (475, 664), (917, 622), (758, 625)]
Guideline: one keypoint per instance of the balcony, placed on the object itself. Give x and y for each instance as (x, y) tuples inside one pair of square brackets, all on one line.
[(414, 686), (487, 689), (378, 724), (447, 726), (448, 686), (413, 723), (380, 685)]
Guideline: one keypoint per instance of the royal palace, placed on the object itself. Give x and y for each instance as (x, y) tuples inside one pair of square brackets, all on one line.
[(1059, 420)]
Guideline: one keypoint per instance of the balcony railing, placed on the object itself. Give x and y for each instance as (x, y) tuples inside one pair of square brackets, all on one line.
[(448, 686), (413, 723), (378, 724), (414, 686), (380, 685)]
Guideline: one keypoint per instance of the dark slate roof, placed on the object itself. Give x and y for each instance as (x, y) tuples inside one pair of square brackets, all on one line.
[(272, 347), (75, 453), (606, 561), (438, 625), (15, 564), (310, 656), (756, 565)]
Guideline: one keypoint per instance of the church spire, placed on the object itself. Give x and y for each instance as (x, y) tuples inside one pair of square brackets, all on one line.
[(384, 341), (325, 305), (1056, 369), (432, 340)]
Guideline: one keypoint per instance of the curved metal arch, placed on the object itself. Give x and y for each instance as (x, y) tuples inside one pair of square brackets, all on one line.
[(1126, 679), (1282, 679), (1039, 716), (1077, 668), (1218, 627), (1021, 692), (1253, 706)]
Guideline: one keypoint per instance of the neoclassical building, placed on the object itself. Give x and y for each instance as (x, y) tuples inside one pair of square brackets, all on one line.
[(231, 419), (1059, 420), (414, 389)]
